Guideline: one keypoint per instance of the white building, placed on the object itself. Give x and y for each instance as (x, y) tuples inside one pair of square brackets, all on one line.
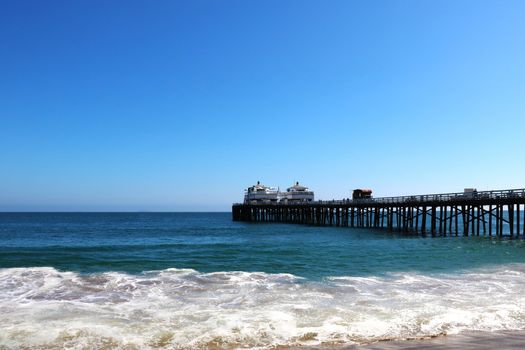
[(297, 193), (261, 194)]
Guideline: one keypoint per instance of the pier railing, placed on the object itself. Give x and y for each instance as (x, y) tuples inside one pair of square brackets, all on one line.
[(444, 197), (441, 197)]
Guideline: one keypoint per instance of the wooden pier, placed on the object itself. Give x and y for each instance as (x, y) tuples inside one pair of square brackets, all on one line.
[(493, 213)]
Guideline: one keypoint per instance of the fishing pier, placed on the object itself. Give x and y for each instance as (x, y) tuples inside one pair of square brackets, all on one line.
[(493, 213)]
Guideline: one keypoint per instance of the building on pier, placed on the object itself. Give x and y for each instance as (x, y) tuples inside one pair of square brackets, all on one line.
[(297, 193), (260, 193), (362, 193)]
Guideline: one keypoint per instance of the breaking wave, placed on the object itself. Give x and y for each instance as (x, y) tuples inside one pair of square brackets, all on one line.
[(185, 309)]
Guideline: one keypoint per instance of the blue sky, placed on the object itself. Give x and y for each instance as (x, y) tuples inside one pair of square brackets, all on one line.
[(180, 105)]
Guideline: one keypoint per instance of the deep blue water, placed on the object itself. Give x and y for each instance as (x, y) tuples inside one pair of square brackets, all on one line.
[(209, 242)]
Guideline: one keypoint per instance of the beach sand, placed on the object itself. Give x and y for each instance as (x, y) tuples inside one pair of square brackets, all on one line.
[(465, 341)]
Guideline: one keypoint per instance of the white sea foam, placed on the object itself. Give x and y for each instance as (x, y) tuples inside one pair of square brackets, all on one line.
[(180, 309)]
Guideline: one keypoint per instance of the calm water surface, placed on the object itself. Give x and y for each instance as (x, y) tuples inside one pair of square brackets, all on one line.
[(207, 242)]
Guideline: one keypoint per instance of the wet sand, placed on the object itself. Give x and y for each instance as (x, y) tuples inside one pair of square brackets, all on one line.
[(464, 341)]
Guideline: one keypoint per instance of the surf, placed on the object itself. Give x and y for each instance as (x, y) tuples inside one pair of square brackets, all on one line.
[(187, 309)]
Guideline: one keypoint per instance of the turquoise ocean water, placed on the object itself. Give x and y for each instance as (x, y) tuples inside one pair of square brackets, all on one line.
[(199, 280)]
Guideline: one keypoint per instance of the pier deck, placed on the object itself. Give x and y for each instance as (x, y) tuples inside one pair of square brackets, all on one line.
[(492, 213)]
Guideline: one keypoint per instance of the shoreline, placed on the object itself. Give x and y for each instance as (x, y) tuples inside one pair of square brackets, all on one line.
[(469, 340)]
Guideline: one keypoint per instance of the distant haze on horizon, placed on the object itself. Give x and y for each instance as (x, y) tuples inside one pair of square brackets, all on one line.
[(181, 105)]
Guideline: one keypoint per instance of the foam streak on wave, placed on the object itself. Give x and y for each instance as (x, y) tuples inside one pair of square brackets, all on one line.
[(177, 308)]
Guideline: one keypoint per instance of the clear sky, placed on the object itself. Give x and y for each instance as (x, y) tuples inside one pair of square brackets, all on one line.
[(180, 105)]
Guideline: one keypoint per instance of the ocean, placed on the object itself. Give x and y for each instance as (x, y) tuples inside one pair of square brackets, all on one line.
[(201, 281)]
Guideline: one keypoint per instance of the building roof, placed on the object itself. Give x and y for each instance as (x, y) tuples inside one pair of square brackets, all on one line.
[(297, 187), (259, 186), (366, 190)]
